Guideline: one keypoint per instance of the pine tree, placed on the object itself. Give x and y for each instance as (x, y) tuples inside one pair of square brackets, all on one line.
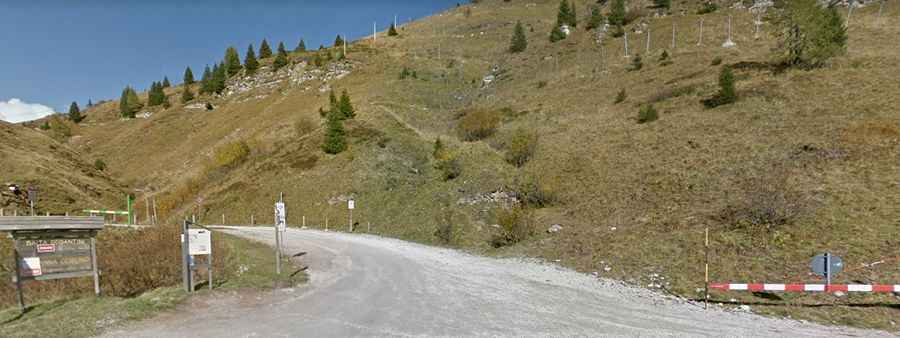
[(596, 19), (335, 140), (334, 105), (129, 103), (75, 113), (438, 148), (187, 95), (617, 13), (188, 76), (156, 96), (346, 107), (281, 59), (265, 51), (206, 81), (810, 33), (727, 93), (573, 15), (557, 34), (392, 31), (220, 77), (301, 47), (564, 13), (250, 63), (90, 103), (338, 41), (166, 83), (232, 62), (519, 42)]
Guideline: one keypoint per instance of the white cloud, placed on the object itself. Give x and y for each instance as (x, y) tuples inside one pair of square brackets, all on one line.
[(16, 110)]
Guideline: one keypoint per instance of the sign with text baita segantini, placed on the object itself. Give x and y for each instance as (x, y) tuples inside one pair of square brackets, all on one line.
[(53, 247)]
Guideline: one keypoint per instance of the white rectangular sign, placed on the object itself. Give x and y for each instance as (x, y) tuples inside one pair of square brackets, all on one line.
[(30, 266), (200, 242), (351, 204), (280, 216)]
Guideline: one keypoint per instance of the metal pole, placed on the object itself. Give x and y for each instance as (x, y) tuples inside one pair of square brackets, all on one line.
[(706, 268), (223, 219), (647, 51), (626, 43), (94, 266), (827, 270), (674, 29), (700, 43), (185, 257), (209, 262), (20, 297), (351, 220), (252, 221)]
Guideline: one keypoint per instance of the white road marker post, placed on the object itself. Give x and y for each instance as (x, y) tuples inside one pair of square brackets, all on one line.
[(626, 44), (700, 42), (351, 204), (647, 50)]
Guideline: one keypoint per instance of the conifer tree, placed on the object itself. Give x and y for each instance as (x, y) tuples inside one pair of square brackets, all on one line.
[(281, 59), (301, 47), (519, 42), (90, 103), (346, 107), (250, 63), (564, 13), (596, 19), (75, 113), (232, 62), (557, 34), (265, 51), (220, 77), (156, 96), (438, 148), (166, 83), (129, 103), (334, 105), (810, 33), (188, 76), (573, 15), (206, 81), (392, 31), (338, 41), (335, 140), (187, 95), (727, 93), (617, 13)]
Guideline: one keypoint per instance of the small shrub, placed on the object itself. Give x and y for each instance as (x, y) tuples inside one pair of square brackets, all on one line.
[(447, 163), (727, 93), (767, 200), (516, 225), (521, 148), (445, 229), (541, 84), (707, 8), (534, 193), (617, 31), (621, 96), (231, 155), (636, 63), (59, 128), (716, 61), (557, 34), (304, 126), (99, 165), (478, 124), (647, 114)]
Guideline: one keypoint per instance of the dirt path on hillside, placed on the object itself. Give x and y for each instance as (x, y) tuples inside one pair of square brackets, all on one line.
[(363, 285)]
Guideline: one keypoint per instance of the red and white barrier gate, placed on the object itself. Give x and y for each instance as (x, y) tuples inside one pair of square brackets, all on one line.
[(885, 288)]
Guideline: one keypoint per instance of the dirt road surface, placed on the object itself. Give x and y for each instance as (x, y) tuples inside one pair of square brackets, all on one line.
[(364, 286)]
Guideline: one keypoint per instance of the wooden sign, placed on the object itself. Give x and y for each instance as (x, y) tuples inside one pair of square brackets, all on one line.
[(53, 247), (55, 257)]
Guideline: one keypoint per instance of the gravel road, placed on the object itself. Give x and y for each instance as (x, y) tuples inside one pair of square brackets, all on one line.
[(363, 285)]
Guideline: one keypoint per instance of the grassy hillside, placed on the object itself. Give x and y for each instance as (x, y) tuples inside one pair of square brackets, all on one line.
[(805, 161), (65, 180)]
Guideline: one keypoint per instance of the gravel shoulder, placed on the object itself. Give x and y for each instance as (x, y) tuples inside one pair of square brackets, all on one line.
[(363, 285)]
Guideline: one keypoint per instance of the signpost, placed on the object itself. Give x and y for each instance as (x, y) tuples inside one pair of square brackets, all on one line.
[(351, 204), (47, 248), (826, 265), (280, 227), (195, 242), (32, 197)]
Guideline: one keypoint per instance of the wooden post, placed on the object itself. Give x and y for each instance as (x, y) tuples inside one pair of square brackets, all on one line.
[(626, 44), (674, 30), (326, 223), (1, 212), (252, 221), (94, 266), (304, 221), (369, 228), (647, 50), (706, 267), (209, 266), (223, 219), (16, 212), (700, 42)]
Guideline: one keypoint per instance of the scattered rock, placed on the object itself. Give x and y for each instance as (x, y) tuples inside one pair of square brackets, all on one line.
[(195, 106), (554, 228), (144, 115)]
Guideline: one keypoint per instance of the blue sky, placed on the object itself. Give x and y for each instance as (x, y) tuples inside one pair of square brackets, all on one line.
[(56, 52)]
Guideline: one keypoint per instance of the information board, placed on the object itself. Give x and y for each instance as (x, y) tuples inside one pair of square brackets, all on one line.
[(200, 242), (51, 258)]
